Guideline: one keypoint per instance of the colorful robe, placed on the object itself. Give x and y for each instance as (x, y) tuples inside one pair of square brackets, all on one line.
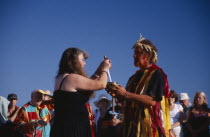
[(143, 121), (91, 119), (30, 113)]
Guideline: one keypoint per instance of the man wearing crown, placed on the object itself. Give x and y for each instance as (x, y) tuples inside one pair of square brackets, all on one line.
[(146, 107)]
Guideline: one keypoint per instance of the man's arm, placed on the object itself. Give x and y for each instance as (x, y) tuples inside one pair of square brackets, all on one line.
[(121, 93), (142, 99)]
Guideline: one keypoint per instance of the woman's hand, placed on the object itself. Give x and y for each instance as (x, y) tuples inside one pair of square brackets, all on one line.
[(105, 65)]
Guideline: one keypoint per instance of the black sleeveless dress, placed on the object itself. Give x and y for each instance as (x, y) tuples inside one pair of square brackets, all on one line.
[(71, 115)]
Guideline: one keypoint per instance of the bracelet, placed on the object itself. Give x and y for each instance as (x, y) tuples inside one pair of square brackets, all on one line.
[(103, 71)]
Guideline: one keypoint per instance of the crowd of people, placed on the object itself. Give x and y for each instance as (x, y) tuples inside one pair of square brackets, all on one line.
[(146, 107)]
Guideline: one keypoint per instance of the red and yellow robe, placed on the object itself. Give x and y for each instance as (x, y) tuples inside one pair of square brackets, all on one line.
[(30, 113), (152, 121)]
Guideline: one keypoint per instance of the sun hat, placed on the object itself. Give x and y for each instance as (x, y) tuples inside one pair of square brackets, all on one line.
[(183, 96), (12, 96), (48, 93), (100, 98)]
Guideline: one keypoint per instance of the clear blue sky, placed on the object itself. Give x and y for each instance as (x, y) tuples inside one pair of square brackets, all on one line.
[(34, 33)]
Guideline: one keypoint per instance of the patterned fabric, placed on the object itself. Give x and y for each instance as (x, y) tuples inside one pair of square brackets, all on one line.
[(91, 119), (30, 113), (142, 121)]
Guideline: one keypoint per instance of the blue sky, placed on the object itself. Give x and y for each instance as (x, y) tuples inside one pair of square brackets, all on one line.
[(34, 33)]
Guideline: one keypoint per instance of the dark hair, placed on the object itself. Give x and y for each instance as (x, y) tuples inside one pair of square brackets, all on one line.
[(174, 95), (12, 96), (69, 62)]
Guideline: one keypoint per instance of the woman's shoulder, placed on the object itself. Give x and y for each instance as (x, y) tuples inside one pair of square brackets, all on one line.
[(64, 80)]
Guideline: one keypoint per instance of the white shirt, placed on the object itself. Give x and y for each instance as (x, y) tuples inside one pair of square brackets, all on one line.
[(174, 114)]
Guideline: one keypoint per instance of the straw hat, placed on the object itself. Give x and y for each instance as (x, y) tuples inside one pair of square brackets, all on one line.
[(46, 92), (100, 98), (183, 96)]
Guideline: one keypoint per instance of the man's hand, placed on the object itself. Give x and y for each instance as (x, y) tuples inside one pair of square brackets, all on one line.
[(116, 90), (115, 122)]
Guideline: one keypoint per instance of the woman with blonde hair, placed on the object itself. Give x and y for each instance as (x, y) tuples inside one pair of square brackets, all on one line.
[(198, 116)]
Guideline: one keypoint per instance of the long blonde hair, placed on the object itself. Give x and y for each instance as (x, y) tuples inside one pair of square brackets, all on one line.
[(205, 104)]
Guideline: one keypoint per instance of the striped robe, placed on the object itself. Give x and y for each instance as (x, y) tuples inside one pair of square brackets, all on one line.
[(30, 113)]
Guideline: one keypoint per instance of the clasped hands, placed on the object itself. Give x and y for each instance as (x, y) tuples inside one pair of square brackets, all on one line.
[(115, 122), (116, 90), (36, 123)]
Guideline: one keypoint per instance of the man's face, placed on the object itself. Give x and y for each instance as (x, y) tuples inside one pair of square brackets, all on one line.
[(140, 58), (184, 103), (13, 102), (46, 97), (37, 98)]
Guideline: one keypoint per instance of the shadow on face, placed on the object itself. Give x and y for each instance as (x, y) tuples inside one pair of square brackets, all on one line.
[(37, 98)]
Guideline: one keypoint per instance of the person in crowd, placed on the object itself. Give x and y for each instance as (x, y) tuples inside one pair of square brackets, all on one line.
[(34, 116), (102, 104), (146, 95), (12, 108), (3, 110), (91, 117), (7, 127), (176, 114), (48, 95), (72, 90), (112, 121), (198, 117), (184, 100)]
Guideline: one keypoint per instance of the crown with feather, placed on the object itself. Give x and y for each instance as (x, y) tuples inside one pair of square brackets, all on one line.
[(149, 49)]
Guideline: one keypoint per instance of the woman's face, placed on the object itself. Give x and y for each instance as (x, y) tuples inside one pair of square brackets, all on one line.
[(200, 99), (140, 58), (81, 60), (172, 100)]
